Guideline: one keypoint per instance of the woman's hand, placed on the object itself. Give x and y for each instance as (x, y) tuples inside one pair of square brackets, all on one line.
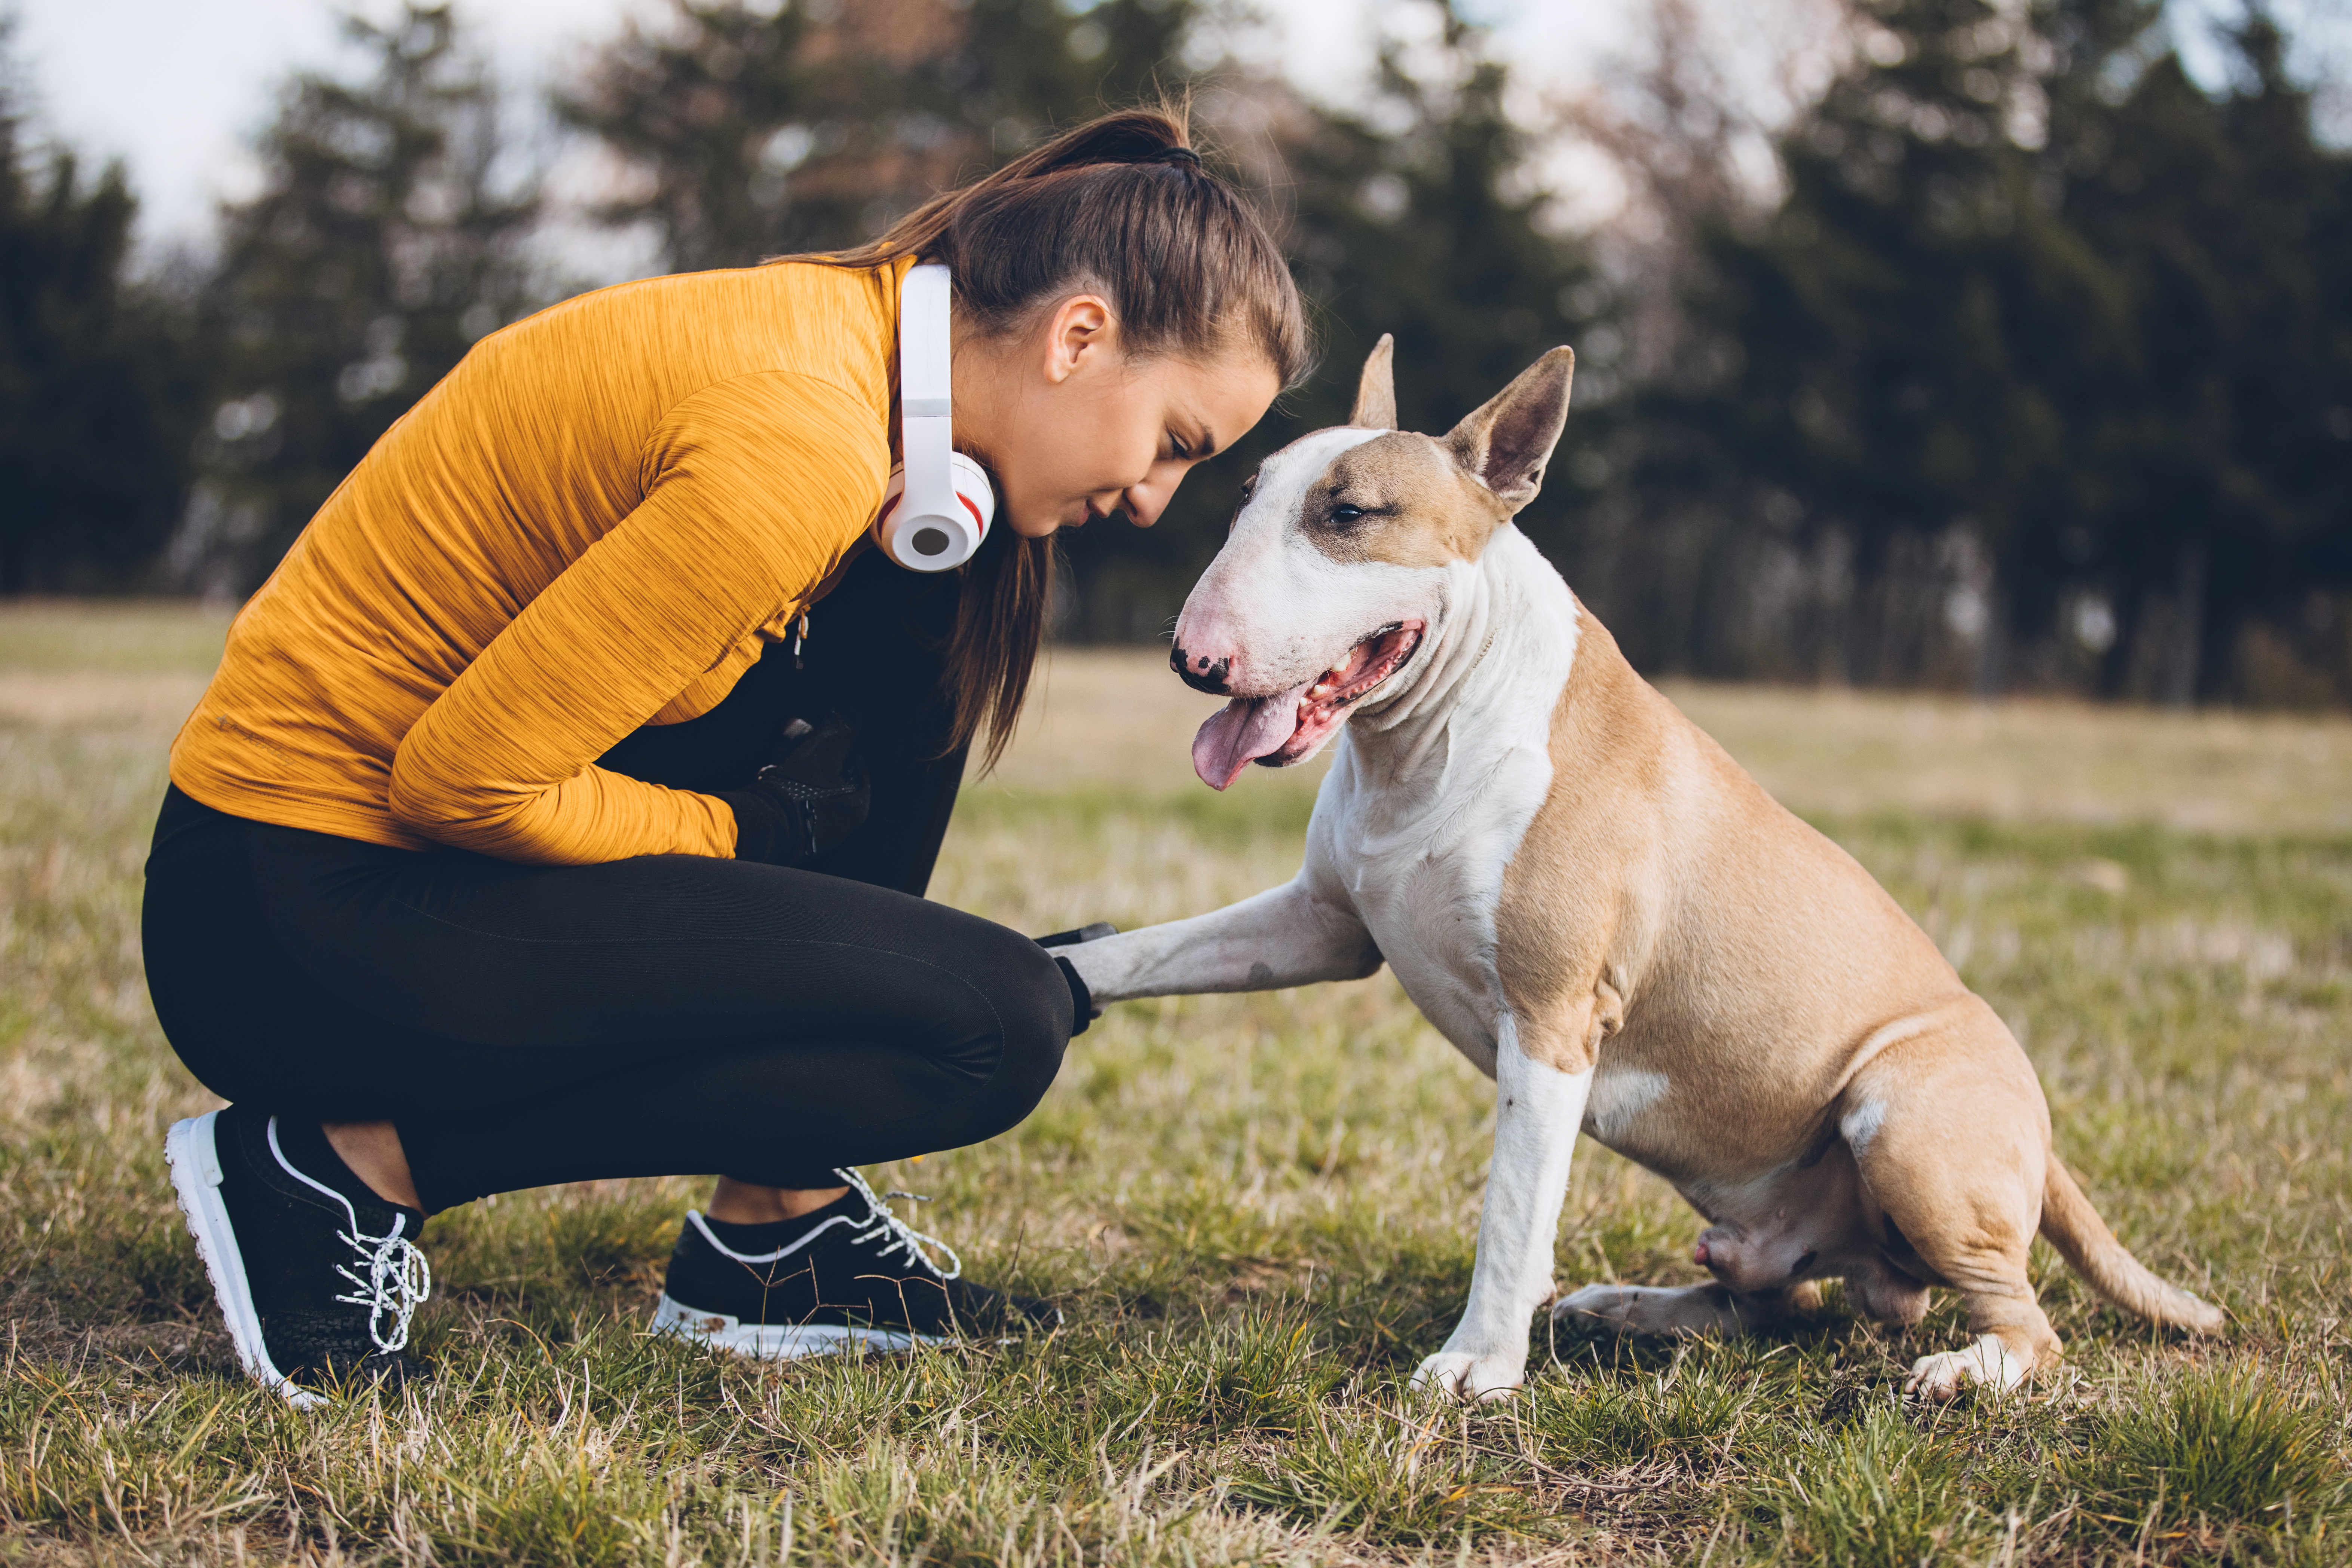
[(808, 800), (1082, 1010)]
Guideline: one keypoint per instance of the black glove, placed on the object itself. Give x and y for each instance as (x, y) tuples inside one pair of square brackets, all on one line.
[(1083, 1011), (1094, 932), (810, 798)]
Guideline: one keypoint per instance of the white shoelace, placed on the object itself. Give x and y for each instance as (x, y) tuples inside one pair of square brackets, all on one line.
[(904, 1238), (396, 1278), (878, 1222)]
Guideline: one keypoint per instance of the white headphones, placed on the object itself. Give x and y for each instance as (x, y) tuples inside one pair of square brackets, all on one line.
[(939, 503)]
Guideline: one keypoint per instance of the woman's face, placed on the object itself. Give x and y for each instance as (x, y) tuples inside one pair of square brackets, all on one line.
[(1074, 429)]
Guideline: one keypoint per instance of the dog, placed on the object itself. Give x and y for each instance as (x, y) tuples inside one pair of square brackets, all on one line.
[(1608, 916)]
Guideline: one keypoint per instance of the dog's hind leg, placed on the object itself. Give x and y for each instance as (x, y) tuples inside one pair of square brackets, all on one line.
[(1715, 1311), (1952, 1135), (1881, 1294)]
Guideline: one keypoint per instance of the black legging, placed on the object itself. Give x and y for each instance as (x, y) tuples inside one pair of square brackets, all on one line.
[(667, 1014)]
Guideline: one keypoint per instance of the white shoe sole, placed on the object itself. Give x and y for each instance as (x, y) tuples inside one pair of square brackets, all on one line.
[(780, 1341), (193, 1154)]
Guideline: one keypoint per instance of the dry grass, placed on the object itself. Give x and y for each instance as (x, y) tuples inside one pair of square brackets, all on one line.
[(1258, 1212), (1115, 718), (2036, 761)]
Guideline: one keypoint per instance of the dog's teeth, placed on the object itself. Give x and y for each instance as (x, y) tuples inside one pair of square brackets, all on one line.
[(1318, 689)]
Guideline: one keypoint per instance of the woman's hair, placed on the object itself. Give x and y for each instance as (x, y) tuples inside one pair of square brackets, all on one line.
[(1120, 207)]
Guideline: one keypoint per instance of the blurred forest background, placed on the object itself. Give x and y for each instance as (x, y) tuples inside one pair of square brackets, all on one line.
[(1980, 347)]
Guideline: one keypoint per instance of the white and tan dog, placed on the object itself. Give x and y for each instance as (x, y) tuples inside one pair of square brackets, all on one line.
[(1605, 914)]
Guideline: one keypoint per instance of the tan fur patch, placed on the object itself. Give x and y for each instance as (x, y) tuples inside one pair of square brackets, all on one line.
[(1420, 508), (1657, 869), (1664, 912), (1562, 914)]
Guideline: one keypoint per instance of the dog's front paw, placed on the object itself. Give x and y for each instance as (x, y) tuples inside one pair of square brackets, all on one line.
[(1472, 1375), (1988, 1363)]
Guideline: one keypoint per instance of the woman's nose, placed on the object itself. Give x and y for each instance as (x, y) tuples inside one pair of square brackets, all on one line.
[(1146, 500), (1143, 504)]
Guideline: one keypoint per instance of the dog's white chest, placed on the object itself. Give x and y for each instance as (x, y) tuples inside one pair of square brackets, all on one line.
[(1428, 898), (1423, 857)]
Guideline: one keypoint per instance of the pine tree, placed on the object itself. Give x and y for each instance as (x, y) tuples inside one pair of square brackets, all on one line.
[(710, 109), (758, 128), (2045, 337), (2226, 444), (385, 241), (1877, 334), (95, 378)]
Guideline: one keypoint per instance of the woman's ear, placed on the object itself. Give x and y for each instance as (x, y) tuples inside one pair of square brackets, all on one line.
[(1081, 329)]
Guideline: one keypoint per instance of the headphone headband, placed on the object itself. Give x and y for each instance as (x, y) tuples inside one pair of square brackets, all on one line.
[(940, 503)]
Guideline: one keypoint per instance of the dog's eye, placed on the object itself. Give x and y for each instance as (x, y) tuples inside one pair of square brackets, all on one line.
[(1249, 487), (1346, 514)]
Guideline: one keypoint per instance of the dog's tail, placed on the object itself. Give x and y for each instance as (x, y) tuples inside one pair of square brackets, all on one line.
[(2083, 1238)]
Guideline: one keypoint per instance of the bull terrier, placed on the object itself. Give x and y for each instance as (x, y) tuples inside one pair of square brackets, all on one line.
[(1607, 915)]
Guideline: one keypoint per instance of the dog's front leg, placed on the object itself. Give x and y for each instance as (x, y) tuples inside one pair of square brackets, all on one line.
[(1538, 1112), (1290, 935)]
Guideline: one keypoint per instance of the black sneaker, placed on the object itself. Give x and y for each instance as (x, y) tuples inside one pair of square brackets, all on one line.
[(317, 1284), (851, 1276)]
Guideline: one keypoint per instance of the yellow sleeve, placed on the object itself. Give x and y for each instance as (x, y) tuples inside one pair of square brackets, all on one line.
[(756, 489)]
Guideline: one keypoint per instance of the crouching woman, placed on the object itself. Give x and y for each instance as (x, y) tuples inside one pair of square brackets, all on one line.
[(536, 829)]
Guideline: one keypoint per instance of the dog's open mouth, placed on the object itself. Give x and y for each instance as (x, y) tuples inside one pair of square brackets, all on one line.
[(1275, 732)]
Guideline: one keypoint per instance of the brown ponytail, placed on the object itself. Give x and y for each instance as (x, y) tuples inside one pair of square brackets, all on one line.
[(1120, 206)]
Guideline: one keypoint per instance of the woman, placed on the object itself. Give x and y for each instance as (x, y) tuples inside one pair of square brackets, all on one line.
[(533, 829)]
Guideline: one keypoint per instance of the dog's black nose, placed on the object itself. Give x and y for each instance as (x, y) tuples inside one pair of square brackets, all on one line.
[(1200, 673)]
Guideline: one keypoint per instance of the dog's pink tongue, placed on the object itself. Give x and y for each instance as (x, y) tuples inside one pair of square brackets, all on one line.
[(1243, 730)]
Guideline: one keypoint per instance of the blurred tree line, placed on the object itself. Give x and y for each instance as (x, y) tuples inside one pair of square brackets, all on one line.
[(98, 391), (2029, 367), (2040, 374)]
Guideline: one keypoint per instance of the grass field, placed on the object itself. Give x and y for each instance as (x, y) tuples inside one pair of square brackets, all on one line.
[(1257, 1211)]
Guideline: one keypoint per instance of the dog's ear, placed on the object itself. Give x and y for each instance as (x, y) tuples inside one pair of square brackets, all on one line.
[(1507, 443), (1376, 390)]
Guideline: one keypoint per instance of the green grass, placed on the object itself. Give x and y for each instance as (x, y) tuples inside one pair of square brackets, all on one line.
[(1258, 1214), (1877, 1493), (2223, 1453)]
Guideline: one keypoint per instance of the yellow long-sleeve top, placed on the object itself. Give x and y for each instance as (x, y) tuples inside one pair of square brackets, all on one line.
[(589, 525)]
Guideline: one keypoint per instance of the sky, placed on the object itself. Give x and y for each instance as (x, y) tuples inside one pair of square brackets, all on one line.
[(177, 88)]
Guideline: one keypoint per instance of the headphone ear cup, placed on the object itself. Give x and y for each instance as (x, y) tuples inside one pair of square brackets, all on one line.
[(927, 543), (973, 489)]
